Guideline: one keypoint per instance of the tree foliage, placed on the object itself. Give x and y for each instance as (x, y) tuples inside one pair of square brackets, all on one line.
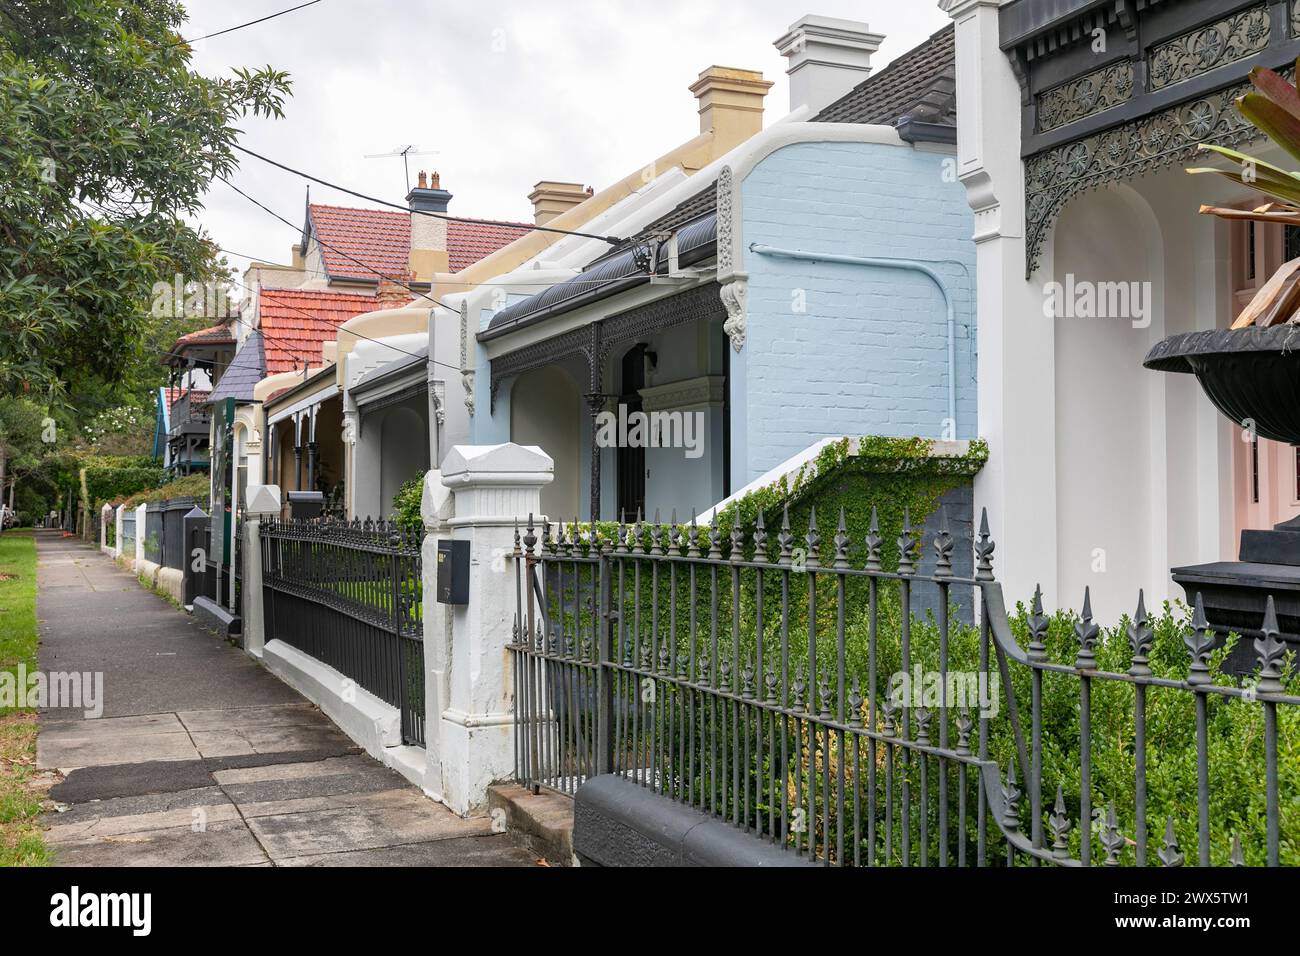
[(107, 140)]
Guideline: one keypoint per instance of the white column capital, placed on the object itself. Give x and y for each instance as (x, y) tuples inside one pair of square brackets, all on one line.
[(960, 8), (496, 484)]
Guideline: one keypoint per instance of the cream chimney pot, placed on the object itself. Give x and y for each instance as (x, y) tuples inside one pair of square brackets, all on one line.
[(551, 199), (828, 57), (731, 104)]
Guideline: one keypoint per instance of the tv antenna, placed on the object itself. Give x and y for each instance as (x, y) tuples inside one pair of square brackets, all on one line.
[(405, 152)]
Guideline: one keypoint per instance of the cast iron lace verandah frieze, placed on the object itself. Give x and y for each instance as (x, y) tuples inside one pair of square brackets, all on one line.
[(1055, 176), (1216, 44), (1094, 93), (701, 303)]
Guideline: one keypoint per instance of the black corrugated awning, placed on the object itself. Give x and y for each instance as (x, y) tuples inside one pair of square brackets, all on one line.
[(696, 241)]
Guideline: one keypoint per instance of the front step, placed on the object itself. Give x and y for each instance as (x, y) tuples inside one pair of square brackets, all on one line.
[(541, 823)]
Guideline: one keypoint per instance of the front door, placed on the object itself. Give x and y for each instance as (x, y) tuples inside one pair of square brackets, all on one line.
[(631, 461), (1266, 474)]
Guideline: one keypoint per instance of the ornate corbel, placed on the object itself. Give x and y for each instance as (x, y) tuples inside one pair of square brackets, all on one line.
[(466, 373), (733, 295)]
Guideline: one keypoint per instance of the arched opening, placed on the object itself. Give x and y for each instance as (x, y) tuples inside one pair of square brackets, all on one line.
[(546, 410), (1110, 418), (404, 444)]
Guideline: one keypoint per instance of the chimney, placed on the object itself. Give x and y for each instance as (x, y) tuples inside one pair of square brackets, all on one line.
[(428, 234), (828, 57), (550, 199), (731, 104)]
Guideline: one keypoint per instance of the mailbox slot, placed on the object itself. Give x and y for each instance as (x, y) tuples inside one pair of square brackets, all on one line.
[(453, 572)]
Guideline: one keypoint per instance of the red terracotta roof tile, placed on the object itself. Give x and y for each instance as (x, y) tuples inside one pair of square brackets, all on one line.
[(468, 242), (381, 240), (213, 335), (295, 322)]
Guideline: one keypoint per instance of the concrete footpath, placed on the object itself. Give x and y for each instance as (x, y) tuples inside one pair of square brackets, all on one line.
[(203, 758)]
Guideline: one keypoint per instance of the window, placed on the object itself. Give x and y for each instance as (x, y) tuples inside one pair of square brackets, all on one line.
[(1290, 243), (1250, 250), (1254, 469)]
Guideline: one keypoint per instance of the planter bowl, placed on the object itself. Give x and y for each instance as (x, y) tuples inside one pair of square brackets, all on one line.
[(1251, 375)]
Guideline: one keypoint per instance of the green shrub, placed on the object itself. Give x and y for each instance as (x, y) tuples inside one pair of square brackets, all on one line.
[(406, 504)]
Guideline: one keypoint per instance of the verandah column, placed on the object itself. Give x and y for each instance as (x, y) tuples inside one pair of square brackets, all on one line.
[(1016, 341), (493, 488)]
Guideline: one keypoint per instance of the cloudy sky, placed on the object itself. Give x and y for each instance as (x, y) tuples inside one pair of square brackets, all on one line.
[(507, 92)]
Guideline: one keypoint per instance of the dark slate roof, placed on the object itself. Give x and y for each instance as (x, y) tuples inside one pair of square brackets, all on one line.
[(696, 241), (246, 369), (920, 84)]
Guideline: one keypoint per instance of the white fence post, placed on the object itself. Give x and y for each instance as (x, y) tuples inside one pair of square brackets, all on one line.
[(117, 536), (263, 502), (436, 509), (138, 557), (494, 486)]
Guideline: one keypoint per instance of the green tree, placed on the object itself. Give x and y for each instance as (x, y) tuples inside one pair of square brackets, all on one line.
[(21, 431), (107, 139)]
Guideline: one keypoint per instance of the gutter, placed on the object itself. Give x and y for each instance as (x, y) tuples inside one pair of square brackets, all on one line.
[(909, 265), (605, 290)]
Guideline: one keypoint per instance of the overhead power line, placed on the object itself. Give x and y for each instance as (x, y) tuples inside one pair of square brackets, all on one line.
[(209, 36), (522, 227)]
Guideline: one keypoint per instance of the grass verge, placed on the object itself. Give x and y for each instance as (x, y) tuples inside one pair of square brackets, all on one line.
[(21, 840)]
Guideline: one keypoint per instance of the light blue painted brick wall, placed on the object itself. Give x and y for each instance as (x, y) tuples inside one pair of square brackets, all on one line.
[(869, 355)]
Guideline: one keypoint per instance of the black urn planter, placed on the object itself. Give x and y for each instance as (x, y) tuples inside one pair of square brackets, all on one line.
[(1253, 377)]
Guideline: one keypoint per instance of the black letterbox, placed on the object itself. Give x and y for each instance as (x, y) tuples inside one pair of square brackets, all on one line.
[(305, 504), (453, 572)]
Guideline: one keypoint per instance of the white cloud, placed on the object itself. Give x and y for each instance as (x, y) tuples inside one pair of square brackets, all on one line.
[(507, 91)]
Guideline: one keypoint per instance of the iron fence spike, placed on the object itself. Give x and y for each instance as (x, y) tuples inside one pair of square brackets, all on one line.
[(1038, 625), (1199, 643), (1061, 826), (1140, 636), (1169, 854), (1086, 632), (1270, 648)]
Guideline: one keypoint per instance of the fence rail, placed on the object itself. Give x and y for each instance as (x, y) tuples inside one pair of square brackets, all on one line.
[(797, 694), (349, 595)]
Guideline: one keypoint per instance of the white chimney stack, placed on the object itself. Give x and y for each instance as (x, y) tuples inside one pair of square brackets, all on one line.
[(828, 57)]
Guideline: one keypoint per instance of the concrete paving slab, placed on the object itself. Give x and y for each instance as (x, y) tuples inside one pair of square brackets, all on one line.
[(145, 803), (407, 798), (356, 828), (493, 850), (297, 771), (203, 815), (223, 844), (273, 715), (242, 761), (66, 749), (361, 781)]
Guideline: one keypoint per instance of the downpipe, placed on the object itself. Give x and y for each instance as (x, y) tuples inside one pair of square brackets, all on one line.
[(909, 265)]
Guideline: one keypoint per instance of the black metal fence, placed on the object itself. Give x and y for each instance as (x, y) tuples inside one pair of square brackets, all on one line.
[(350, 594), (174, 554), (797, 693)]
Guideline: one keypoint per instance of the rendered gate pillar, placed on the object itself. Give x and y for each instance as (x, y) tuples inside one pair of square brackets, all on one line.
[(117, 531), (494, 486), (436, 509), (263, 501), (138, 557)]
